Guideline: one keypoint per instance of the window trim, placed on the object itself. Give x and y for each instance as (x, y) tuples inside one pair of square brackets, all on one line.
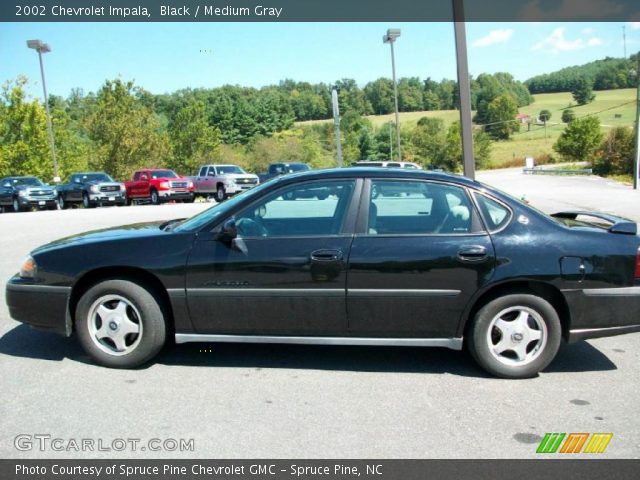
[(362, 224)]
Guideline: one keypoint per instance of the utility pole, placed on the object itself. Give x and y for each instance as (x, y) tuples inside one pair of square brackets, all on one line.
[(336, 120), (390, 38), (636, 164), (390, 140), (624, 40)]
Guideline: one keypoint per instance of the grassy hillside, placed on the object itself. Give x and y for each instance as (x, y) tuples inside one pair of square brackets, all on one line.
[(535, 143)]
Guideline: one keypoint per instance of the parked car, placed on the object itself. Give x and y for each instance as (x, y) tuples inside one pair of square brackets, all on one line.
[(277, 169), (453, 263), (386, 164), (24, 193), (91, 189), (223, 181), (159, 185)]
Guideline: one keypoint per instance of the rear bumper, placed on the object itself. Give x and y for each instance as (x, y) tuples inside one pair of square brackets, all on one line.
[(603, 312), (41, 306)]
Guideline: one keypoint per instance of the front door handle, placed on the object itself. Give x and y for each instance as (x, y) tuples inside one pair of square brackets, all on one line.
[(326, 255), (472, 253)]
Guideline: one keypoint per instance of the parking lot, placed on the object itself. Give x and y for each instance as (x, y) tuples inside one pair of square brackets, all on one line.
[(266, 401)]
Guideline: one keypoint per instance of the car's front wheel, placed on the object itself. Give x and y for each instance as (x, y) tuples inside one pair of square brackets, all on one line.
[(86, 201), (155, 198), (221, 194), (515, 336), (120, 324)]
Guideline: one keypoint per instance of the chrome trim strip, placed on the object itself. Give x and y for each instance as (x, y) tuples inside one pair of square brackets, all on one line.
[(452, 343), (370, 292), (266, 292), (603, 329), (22, 287), (615, 291)]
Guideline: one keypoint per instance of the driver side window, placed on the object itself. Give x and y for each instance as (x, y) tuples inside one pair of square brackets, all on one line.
[(310, 209)]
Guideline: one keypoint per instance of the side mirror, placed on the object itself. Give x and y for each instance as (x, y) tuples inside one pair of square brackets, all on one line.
[(144, 178), (229, 231), (76, 180)]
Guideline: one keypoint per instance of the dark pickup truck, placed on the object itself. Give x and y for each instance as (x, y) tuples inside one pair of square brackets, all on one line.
[(24, 193), (91, 189), (278, 169)]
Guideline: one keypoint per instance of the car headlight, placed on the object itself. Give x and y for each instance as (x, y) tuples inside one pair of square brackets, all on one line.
[(164, 184), (29, 267), (230, 181), (94, 189), (189, 184), (23, 193)]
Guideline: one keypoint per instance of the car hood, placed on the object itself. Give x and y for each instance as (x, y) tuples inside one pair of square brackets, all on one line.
[(135, 230)]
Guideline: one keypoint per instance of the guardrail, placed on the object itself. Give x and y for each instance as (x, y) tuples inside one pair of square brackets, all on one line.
[(557, 171)]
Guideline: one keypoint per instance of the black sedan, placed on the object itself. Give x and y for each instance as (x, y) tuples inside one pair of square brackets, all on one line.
[(447, 263)]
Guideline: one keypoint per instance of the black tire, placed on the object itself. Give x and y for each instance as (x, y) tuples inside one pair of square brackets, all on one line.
[(127, 202), (190, 200), (16, 205), (62, 205), (155, 198), (86, 202), (144, 345), (221, 195), (485, 335)]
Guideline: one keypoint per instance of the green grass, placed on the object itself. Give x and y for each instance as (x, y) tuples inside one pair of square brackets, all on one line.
[(536, 142)]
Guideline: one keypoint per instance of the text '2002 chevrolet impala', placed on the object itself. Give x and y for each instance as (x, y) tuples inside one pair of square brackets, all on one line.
[(317, 258)]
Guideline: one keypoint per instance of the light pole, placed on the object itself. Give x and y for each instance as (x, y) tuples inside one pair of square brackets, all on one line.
[(390, 38), (41, 47), (336, 120), (636, 163)]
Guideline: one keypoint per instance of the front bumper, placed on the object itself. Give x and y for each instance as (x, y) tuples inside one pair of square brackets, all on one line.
[(105, 199), (39, 202), (41, 306), (176, 194), (234, 188)]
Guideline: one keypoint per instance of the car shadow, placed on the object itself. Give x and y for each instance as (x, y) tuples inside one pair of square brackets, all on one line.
[(23, 341)]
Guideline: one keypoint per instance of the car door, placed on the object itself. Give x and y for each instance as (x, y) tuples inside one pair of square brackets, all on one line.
[(419, 255), (75, 189), (5, 192), (285, 273)]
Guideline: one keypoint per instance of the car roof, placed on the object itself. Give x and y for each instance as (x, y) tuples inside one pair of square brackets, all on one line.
[(356, 172)]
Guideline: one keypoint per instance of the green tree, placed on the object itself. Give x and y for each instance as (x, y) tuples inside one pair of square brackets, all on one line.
[(500, 117), (568, 116), (580, 139), (379, 93), (453, 149), (24, 145), (126, 134), (193, 140), (582, 91), (616, 155), (544, 115)]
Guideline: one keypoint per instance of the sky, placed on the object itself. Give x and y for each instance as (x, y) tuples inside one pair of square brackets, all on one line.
[(164, 57)]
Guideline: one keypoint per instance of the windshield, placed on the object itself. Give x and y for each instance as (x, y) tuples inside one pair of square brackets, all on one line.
[(227, 169), (33, 181), (218, 211), (297, 167), (163, 174), (95, 177)]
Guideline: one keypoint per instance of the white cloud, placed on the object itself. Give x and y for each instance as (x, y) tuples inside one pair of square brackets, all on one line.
[(635, 25), (494, 37), (557, 42), (587, 31)]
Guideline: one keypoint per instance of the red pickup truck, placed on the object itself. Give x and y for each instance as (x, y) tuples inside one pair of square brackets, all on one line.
[(159, 185)]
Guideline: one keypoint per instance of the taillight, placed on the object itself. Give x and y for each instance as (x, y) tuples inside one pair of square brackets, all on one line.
[(638, 263)]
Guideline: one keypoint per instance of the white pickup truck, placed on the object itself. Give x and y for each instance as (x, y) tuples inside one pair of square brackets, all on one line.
[(222, 181)]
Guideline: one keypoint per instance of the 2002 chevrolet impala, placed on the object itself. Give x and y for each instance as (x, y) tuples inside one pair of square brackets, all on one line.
[(359, 256)]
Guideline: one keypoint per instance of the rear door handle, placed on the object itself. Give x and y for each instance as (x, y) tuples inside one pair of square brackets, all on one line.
[(326, 255), (472, 253)]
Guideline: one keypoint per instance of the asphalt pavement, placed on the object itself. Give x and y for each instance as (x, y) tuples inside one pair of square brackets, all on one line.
[(274, 401)]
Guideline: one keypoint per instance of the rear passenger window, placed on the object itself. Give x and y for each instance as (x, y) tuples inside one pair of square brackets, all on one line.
[(495, 214), (412, 207)]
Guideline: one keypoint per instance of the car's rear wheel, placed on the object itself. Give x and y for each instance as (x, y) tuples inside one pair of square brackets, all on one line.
[(120, 324), (515, 336)]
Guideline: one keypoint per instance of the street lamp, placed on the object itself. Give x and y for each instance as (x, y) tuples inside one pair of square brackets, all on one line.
[(41, 47), (390, 38)]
